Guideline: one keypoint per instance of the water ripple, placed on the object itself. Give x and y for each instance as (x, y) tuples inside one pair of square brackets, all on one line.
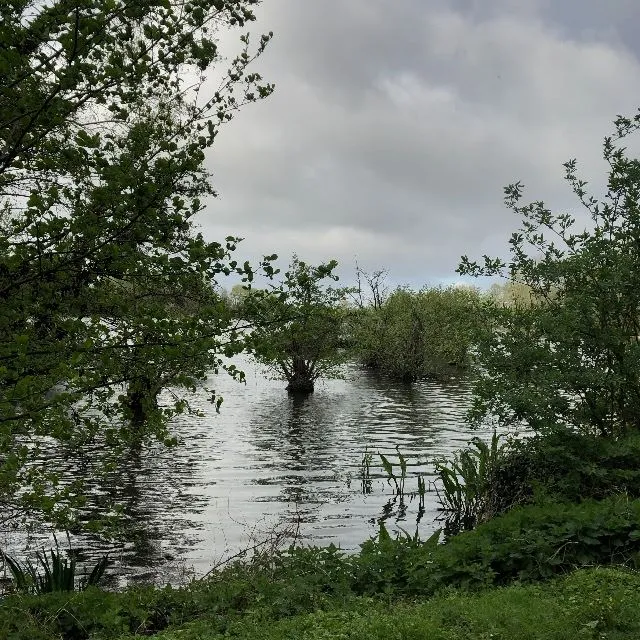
[(267, 458)]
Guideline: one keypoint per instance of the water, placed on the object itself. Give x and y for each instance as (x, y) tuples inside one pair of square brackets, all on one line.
[(270, 462)]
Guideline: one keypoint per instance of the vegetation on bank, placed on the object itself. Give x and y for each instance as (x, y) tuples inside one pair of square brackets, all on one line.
[(572, 355), (589, 603), (558, 556), (499, 578)]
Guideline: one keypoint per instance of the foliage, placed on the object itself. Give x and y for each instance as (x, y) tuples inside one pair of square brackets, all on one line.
[(282, 585), (52, 573), (588, 602), (526, 545), (398, 480), (511, 294), (565, 465), (413, 334), (574, 357), (384, 563), (467, 489), (108, 294), (530, 544), (299, 325)]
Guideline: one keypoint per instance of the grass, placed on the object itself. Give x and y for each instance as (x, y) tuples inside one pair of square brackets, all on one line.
[(589, 604)]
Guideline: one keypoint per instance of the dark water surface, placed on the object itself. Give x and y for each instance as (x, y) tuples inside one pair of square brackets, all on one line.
[(268, 461)]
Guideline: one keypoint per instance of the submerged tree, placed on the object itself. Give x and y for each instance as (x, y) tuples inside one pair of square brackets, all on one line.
[(299, 329), (105, 116), (573, 358), (413, 334)]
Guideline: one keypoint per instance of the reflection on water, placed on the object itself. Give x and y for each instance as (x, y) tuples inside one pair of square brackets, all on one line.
[(269, 458)]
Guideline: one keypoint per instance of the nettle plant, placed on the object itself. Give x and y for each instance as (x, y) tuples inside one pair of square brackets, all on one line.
[(571, 356)]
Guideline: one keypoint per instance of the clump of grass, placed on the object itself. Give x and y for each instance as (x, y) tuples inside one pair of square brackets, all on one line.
[(52, 572)]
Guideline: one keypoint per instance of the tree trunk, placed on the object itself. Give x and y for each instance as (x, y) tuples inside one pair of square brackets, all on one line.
[(142, 400), (301, 379)]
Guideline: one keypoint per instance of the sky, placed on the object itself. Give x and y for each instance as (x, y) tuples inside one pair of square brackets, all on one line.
[(396, 124)]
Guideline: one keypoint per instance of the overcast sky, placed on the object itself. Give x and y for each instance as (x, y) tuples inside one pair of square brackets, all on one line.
[(395, 125)]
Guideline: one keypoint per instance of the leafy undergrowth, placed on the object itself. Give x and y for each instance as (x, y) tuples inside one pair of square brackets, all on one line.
[(496, 579), (568, 465), (589, 604)]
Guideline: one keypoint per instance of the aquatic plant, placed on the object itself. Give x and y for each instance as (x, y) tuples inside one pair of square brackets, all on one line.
[(466, 483), (365, 472), (397, 480), (422, 490), (52, 572)]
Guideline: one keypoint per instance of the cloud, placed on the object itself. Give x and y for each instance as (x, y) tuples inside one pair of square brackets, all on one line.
[(394, 128)]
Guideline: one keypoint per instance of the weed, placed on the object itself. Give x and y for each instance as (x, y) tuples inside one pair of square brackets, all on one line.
[(465, 491), (52, 572), (398, 480), (365, 472)]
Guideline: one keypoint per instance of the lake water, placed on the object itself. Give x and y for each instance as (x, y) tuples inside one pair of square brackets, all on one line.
[(269, 462)]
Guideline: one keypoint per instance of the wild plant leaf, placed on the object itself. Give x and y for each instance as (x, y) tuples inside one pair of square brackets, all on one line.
[(383, 534), (97, 572), (386, 465), (434, 539)]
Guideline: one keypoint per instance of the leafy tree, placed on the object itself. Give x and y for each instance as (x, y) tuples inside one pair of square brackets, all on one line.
[(300, 326), (572, 359), (419, 333), (238, 296), (104, 123)]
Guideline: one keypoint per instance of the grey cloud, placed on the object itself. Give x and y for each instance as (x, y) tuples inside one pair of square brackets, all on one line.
[(394, 126)]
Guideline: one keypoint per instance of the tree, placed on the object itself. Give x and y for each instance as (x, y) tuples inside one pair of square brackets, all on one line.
[(143, 317), (104, 124), (572, 359), (413, 334), (511, 294), (299, 326), (371, 288)]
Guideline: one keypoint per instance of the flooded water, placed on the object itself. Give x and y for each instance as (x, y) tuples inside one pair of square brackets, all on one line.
[(270, 462)]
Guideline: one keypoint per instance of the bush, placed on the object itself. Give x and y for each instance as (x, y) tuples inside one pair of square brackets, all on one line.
[(527, 544), (414, 334), (565, 465)]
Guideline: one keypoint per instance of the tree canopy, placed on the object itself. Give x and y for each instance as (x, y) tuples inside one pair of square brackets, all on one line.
[(108, 292), (573, 358), (299, 325)]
